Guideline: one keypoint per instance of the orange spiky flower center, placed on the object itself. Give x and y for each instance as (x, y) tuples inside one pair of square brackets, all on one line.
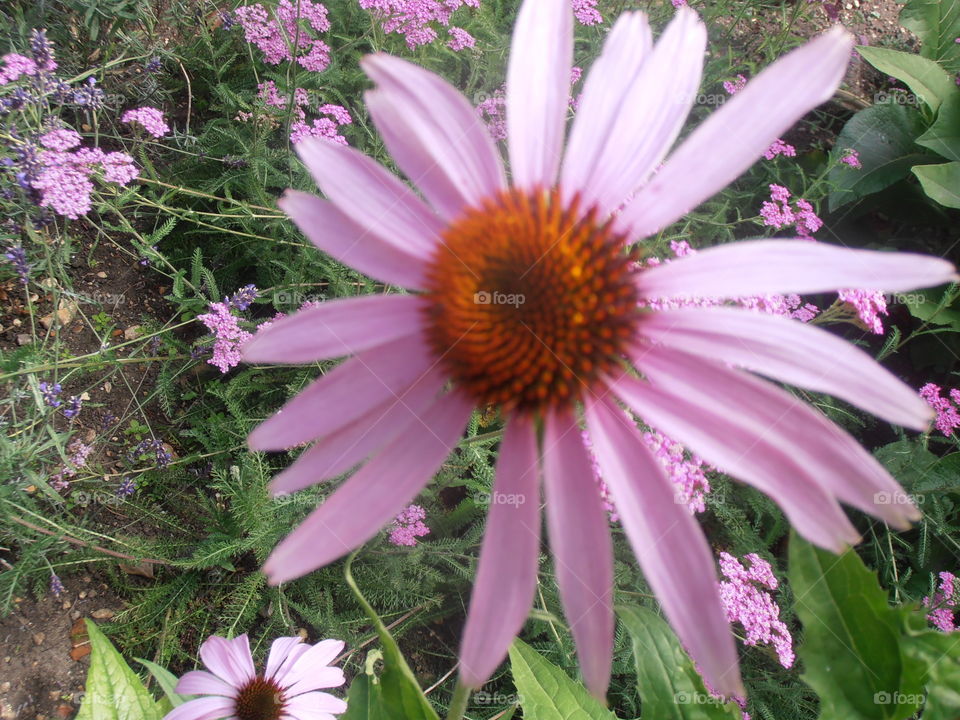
[(531, 300), (260, 699)]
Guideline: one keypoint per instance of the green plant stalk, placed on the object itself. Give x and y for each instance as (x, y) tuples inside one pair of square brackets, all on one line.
[(458, 704)]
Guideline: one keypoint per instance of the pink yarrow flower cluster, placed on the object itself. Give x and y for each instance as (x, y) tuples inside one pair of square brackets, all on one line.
[(493, 107), (586, 13), (778, 214), (943, 603), (747, 601), (852, 158), (276, 35), (149, 118), (948, 413), (408, 526), (416, 20), (326, 127), (869, 304), (65, 181), (691, 371), (605, 498), (289, 687), (16, 66), (228, 334), (688, 475)]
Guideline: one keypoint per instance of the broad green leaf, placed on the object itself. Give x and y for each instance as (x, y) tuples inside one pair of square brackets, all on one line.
[(940, 652), (943, 136), (166, 680), (934, 306), (669, 685), (925, 78), (885, 138), (851, 652), (113, 690), (937, 24), (365, 701), (399, 688), (941, 182), (547, 692)]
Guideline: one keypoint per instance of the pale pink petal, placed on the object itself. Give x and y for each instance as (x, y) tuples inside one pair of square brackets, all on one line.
[(205, 708), (581, 546), (602, 100), (279, 658), (759, 267), (433, 134), (242, 657), (371, 196), (737, 134), (374, 496), (739, 447), (336, 328), (538, 85), (312, 672), (792, 352), (200, 682), (511, 548), (219, 657), (315, 706), (816, 450), (669, 544), (351, 243), (652, 114), (347, 392), (344, 448)]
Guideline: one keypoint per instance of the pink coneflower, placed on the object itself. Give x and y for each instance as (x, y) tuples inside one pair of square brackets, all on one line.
[(527, 298), (286, 690)]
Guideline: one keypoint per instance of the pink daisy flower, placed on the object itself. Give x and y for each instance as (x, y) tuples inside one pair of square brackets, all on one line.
[(287, 689), (525, 296)]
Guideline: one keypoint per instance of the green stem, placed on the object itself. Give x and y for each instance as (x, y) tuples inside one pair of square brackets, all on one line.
[(458, 705)]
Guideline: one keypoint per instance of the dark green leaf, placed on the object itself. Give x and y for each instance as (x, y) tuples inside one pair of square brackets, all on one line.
[(941, 182), (166, 680), (925, 78), (851, 652), (943, 136), (669, 685), (885, 137), (365, 701), (547, 693), (937, 24)]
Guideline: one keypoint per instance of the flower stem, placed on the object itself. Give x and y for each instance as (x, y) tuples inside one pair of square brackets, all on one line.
[(458, 705)]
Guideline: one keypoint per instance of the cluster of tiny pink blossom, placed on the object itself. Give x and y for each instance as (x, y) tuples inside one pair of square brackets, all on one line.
[(605, 497), (869, 304), (64, 180), (948, 417), (852, 158), (747, 601), (778, 214), (791, 305), (408, 526), (689, 476), (15, 66), (493, 111), (943, 602), (79, 452), (325, 127), (228, 335), (413, 18), (779, 147), (150, 118), (276, 36), (586, 13)]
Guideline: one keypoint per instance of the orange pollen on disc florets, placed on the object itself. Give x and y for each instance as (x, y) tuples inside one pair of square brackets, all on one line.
[(259, 699), (530, 300)]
